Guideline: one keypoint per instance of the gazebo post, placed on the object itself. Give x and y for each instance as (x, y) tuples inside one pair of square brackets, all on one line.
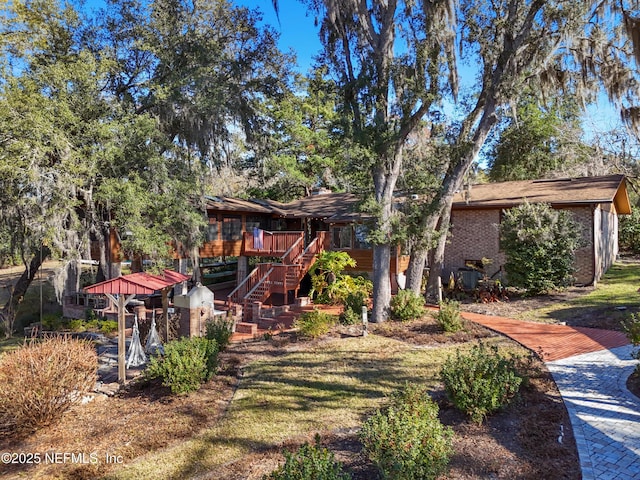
[(165, 310), (122, 371), (121, 303)]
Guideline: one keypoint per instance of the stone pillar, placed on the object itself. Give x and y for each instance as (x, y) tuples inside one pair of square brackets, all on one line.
[(243, 268), (255, 310)]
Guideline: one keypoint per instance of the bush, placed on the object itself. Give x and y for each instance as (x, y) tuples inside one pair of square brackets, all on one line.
[(406, 306), (407, 440), (480, 382), (220, 330), (77, 325), (41, 380), (539, 243), (353, 304), (310, 462), (187, 363), (448, 316), (314, 324), (631, 327), (52, 322), (108, 326)]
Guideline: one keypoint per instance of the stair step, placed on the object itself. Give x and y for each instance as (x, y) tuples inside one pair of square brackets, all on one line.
[(245, 327)]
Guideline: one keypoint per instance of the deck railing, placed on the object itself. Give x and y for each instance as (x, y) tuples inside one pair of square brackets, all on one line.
[(274, 244), (291, 255), (268, 278), (249, 283)]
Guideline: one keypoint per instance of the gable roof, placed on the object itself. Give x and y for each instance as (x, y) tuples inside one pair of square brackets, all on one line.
[(140, 283), (557, 192), (231, 204), (325, 206)]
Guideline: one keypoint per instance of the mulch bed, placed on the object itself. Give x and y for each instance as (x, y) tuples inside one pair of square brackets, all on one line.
[(520, 442)]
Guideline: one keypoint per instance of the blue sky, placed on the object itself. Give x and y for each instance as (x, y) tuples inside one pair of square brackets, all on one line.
[(296, 28)]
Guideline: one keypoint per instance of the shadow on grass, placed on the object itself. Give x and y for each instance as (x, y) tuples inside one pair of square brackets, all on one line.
[(602, 315)]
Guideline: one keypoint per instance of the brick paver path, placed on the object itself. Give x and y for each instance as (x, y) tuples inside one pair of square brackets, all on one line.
[(550, 341), (590, 367)]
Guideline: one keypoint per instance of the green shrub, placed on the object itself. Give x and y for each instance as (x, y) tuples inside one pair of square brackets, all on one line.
[(220, 330), (93, 324), (52, 322), (90, 315), (309, 462), (448, 316), (314, 324), (326, 270), (406, 306), (353, 304), (108, 326), (77, 325), (481, 381), (187, 363), (539, 243), (42, 379), (407, 441)]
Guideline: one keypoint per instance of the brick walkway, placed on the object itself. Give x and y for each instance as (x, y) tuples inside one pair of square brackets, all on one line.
[(550, 341), (590, 368)]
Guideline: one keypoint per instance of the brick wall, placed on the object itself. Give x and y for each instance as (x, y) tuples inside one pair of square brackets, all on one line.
[(475, 234), (584, 257)]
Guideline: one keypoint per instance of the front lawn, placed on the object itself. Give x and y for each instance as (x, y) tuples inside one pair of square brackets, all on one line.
[(278, 393), (613, 299), (328, 386)]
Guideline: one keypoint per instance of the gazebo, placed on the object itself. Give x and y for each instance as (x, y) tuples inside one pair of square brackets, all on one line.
[(123, 289)]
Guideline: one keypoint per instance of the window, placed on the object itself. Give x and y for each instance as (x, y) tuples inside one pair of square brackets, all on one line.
[(231, 227), (211, 233), (360, 237), (253, 221), (342, 237)]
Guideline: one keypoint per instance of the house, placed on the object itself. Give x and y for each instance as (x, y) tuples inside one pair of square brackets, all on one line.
[(595, 203), (288, 237)]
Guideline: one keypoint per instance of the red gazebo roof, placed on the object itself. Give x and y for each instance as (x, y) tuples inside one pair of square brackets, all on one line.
[(138, 283)]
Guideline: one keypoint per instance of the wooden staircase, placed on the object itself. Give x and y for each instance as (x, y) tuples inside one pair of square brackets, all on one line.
[(269, 278)]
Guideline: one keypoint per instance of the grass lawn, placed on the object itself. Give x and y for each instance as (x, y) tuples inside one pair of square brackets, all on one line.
[(330, 386), (614, 298), (10, 344)]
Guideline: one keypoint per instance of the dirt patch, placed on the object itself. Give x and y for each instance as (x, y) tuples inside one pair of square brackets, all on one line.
[(427, 332), (633, 383)]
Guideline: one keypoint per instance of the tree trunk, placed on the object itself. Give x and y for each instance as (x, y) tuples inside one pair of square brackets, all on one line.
[(18, 291), (415, 271), (436, 255), (103, 262), (381, 283), (419, 252), (384, 179)]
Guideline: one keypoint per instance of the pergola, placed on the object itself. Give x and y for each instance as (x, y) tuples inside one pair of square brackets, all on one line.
[(123, 289)]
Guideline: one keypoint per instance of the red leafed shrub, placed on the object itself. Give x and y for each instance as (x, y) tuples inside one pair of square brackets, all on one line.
[(41, 380)]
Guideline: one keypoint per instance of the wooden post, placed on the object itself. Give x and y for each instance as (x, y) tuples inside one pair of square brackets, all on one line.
[(122, 372), (165, 311), (121, 302)]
